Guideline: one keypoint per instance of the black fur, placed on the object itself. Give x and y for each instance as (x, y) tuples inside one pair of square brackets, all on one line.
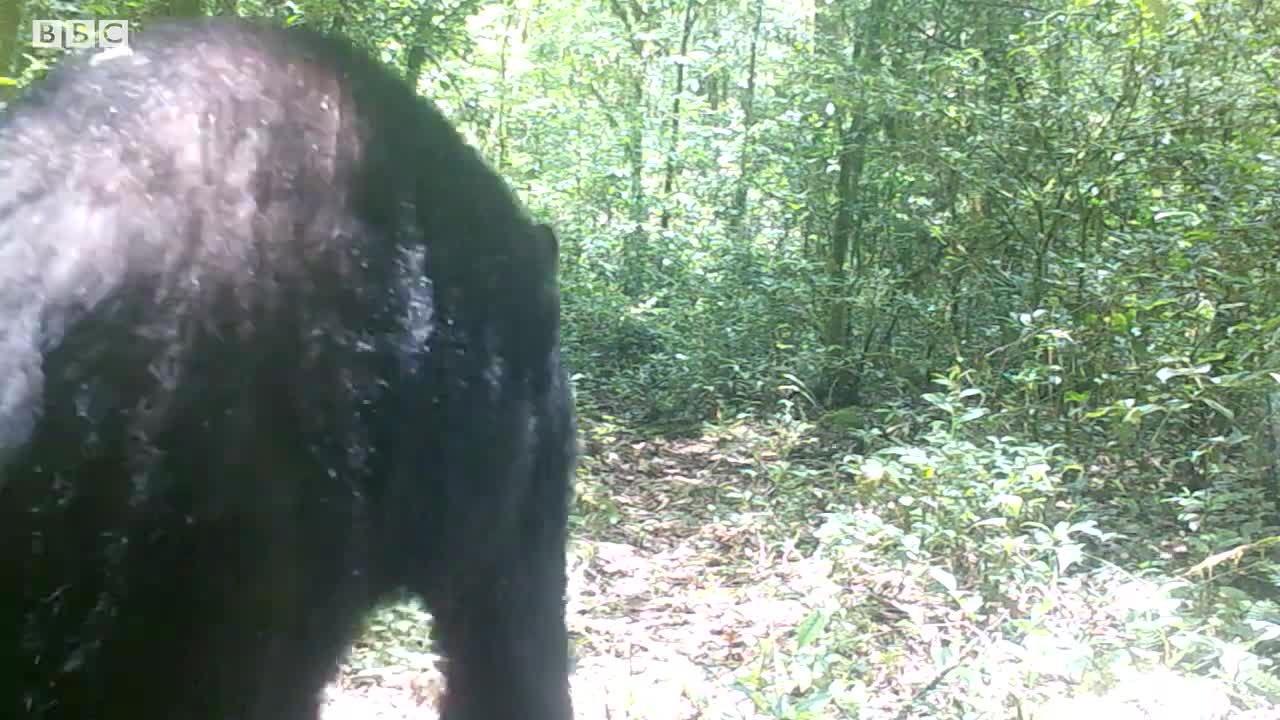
[(274, 343)]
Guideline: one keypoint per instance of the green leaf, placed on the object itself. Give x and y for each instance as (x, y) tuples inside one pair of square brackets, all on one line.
[(1219, 407), (811, 628)]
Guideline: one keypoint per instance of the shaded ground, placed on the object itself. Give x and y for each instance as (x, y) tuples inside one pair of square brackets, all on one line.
[(670, 592)]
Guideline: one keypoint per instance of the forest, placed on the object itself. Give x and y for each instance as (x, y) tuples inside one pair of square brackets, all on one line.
[(926, 352)]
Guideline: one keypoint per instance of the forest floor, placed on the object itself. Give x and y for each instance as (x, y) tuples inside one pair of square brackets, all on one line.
[(673, 583), (693, 576)]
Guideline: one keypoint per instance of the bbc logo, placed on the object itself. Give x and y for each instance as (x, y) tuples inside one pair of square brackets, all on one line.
[(77, 34)]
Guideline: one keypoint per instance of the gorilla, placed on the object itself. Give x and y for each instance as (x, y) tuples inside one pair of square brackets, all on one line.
[(275, 344)]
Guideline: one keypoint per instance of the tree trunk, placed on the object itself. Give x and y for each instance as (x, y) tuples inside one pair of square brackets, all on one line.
[(633, 252), (738, 221), (500, 129), (634, 249), (852, 126), (828, 41), (673, 141)]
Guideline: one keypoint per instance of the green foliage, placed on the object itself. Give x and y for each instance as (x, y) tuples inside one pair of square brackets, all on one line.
[(989, 507), (1001, 554)]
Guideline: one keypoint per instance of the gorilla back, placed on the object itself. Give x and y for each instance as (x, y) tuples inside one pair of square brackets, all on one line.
[(274, 342)]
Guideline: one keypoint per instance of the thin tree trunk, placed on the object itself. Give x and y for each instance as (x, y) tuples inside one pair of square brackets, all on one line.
[(634, 250), (829, 41), (503, 99), (738, 221), (836, 332), (673, 142), (634, 247)]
